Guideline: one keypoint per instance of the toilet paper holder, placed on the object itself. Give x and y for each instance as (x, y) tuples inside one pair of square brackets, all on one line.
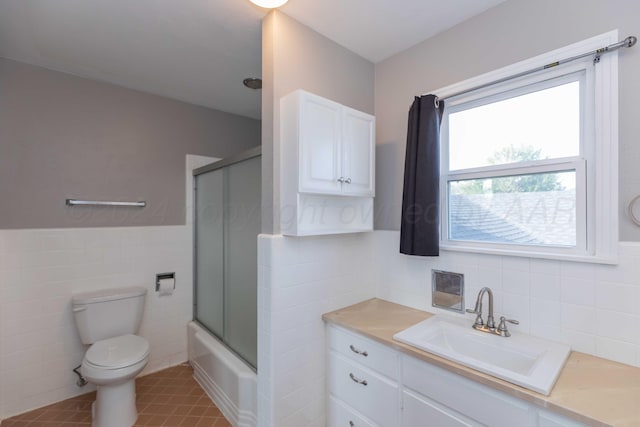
[(163, 276)]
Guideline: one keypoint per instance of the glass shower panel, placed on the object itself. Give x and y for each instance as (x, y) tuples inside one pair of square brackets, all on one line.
[(243, 182), (227, 224), (209, 254)]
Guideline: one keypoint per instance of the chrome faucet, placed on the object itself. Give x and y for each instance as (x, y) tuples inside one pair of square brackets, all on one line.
[(479, 323), (490, 326)]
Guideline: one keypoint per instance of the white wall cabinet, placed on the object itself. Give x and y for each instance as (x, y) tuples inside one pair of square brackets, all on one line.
[(335, 146), (327, 166), (403, 391), (357, 153)]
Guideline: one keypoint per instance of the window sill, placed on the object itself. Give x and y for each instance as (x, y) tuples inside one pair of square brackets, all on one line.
[(593, 259)]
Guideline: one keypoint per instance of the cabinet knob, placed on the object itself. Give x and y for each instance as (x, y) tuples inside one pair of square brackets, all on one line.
[(341, 180), (351, 424), (348, 180)]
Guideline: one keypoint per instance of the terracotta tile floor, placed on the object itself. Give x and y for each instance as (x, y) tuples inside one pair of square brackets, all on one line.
[(167, 398)]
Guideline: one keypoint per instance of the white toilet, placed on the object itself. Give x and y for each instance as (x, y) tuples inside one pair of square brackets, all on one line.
[(108, 319)]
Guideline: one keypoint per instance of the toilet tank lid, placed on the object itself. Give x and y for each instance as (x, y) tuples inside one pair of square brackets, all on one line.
[(103, 295)]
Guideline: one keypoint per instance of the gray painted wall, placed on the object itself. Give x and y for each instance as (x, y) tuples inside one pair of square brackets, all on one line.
[(62, 136), (511, 32), (296, 57)]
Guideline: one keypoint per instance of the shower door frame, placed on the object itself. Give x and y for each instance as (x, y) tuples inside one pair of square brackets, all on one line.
[(220, 164)]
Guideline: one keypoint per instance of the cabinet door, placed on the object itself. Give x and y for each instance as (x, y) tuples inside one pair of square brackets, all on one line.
[(548, 419), (473, 400), (358, 153), (419, 411), (319, 139)]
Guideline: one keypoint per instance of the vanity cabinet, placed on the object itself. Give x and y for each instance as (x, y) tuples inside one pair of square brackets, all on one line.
[(362, 381), (327, 166), (339, 414), (370, 384), (549, 419), (418, 409), (464, 402)]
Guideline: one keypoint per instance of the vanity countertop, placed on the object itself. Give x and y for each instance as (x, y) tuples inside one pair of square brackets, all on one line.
[(592, 390)]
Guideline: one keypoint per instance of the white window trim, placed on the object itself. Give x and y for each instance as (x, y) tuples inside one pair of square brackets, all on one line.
[(602, 200)]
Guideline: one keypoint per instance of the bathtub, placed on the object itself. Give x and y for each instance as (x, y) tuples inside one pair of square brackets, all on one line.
[(228, 381)]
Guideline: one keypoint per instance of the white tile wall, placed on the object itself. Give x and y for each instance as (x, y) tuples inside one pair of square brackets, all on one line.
[(39, 271), (595, 308), (299, 279)]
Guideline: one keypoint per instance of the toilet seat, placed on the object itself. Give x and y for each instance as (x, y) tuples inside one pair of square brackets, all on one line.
[(118, 352), (112, 365)]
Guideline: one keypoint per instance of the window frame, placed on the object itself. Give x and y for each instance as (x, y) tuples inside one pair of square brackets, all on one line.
[(596, 221)]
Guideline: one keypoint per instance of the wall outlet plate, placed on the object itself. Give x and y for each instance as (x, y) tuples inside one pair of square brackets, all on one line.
[(447, 290)]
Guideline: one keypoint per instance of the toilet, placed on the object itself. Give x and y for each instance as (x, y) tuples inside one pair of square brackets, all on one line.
[(108, 320)]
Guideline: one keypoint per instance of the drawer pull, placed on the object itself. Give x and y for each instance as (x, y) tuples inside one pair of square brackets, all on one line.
[(356, 351), (357, 380)]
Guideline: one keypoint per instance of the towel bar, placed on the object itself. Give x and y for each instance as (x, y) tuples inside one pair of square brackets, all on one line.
[(74, 202)]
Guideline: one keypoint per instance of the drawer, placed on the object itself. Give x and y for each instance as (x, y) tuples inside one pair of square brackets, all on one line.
[(419, 411), (465, 396), (341, 415), (363, 390), (364, 351)]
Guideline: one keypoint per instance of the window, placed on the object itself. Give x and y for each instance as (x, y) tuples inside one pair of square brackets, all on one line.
[(529, 165)]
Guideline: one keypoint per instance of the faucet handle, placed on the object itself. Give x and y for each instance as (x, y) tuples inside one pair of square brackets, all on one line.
[(502, 327), (478, 313), (502, 320)]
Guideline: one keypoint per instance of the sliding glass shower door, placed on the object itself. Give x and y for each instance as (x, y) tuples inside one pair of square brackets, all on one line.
[(227, 223)]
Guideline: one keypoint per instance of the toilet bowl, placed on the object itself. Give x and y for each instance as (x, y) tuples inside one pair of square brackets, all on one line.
[(107, 320), (112, 365)]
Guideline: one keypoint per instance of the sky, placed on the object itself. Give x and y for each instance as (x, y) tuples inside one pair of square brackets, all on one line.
[(547, 119)]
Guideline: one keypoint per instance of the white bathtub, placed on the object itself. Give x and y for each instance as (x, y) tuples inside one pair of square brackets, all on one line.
[(230, 383)]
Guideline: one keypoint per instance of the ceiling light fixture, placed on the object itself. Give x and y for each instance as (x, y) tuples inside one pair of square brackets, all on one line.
[(269, 4)]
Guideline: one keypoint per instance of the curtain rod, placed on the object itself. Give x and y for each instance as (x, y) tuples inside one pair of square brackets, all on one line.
[(628, 42)]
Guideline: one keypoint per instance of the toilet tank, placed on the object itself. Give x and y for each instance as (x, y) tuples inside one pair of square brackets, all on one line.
[(108, 313)]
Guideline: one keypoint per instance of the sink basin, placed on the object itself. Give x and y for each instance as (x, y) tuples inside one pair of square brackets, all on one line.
[(524, 360)]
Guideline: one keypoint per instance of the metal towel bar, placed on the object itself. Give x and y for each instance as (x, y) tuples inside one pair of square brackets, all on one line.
[(74, 202)]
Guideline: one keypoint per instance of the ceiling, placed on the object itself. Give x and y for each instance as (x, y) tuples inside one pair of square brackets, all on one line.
[(199, 51)]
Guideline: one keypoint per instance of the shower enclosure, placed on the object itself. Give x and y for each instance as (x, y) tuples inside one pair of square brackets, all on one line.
[(226, 226)]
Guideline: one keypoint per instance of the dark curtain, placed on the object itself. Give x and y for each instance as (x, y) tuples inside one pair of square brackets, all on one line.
[(419, 229)]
